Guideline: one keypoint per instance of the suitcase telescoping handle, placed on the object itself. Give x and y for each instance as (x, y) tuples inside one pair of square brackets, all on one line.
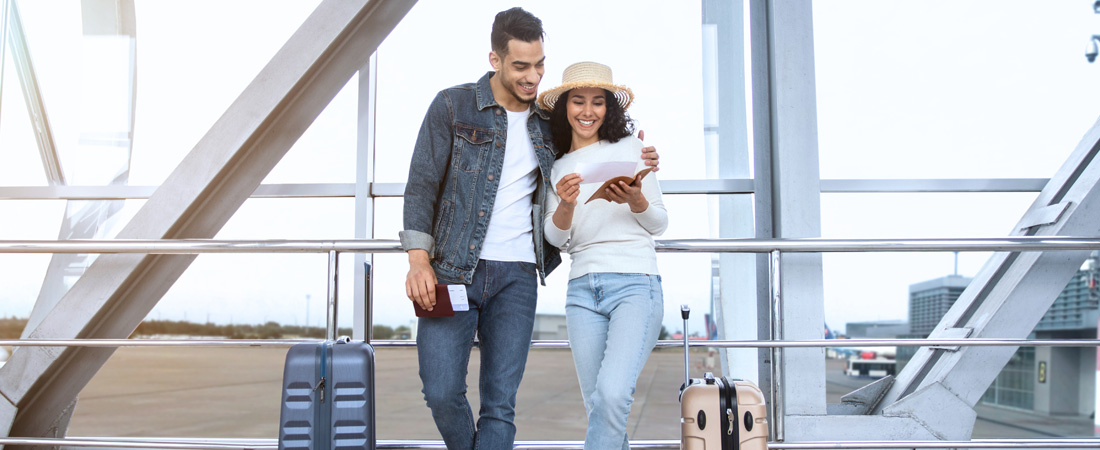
[(685, 311)]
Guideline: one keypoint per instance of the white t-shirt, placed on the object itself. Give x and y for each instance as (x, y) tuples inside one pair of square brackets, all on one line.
[(606, 236), (509, 235)]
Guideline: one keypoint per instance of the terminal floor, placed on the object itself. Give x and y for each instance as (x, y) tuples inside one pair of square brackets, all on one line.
[(234, 393)]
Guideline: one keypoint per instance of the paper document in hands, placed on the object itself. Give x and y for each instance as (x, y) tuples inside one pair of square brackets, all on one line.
[(601, 192), (600, 172)]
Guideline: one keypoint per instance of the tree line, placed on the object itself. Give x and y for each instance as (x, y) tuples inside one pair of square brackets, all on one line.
[(12, 328)]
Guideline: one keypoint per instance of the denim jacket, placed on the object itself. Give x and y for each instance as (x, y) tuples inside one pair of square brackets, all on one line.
[(453, 179)]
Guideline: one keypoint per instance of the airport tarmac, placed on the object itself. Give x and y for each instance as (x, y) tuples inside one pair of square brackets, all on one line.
[(234, 393)]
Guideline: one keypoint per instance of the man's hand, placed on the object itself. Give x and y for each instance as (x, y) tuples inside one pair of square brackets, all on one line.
[(649, 154), (420, 282)]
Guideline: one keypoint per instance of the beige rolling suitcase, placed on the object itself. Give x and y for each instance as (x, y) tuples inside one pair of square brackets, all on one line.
[(720, 413)]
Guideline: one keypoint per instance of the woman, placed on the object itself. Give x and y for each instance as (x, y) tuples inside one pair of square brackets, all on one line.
[(614, 302)]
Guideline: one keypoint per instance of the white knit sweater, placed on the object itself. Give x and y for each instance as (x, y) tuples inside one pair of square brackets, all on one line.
[(606, 236)]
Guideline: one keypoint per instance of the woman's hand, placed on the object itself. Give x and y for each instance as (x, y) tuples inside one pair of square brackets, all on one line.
[(568, 188), (630, 194)]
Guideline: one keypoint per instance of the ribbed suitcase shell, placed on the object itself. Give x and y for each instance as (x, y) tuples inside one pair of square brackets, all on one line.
[(338, 415), (704, 425)]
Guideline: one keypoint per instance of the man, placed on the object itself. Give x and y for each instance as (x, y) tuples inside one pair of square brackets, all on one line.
[(473, 217)]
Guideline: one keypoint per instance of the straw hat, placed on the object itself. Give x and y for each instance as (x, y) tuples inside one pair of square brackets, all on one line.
[(586, 74)]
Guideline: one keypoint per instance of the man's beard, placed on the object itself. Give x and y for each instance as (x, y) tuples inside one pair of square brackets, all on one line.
[(526, 101)]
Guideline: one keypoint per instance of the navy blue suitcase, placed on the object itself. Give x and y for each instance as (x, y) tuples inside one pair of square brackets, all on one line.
[(328, 397)]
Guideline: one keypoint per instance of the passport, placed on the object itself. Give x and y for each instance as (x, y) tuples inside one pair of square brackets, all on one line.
[(445, 305)]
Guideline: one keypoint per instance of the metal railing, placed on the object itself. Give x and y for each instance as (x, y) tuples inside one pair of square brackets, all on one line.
[(653, 444), (774, 247)]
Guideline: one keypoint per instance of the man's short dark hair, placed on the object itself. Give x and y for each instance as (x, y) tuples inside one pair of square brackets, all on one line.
[(515, 23)]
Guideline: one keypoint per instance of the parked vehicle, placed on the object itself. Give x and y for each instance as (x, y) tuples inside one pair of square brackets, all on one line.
[(873, 368)]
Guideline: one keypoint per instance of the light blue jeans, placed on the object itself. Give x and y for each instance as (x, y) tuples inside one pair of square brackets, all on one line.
[(502, 314), (614, 320)]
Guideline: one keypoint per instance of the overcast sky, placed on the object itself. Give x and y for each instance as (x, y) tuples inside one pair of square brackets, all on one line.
[(944, 89)]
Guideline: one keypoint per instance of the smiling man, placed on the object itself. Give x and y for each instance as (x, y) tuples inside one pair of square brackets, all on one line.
[(473, 220)]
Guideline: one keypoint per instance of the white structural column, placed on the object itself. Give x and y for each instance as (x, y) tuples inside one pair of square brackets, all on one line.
[(760, 80), (795, 201), (37, 384), (727, 142), (364, 200), (787, 185)]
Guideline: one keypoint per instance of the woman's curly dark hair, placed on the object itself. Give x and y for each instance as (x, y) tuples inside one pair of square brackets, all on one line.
[(617, 124)]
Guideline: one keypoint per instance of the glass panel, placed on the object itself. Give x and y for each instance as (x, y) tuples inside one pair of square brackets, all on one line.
[(20, 162), (392, 307), (86, 82), (1015, 385), (874, 286), (257, 288), (187, 83), (326, 151), (180, 96), (678, 136), (21, 274), (968, 101), (226, 295)]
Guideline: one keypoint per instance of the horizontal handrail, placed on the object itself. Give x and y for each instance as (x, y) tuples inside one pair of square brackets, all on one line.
[(265, 444), (963, 342), (714, 186), (161, 443), (808, 245), (976, 443), (193, 246)]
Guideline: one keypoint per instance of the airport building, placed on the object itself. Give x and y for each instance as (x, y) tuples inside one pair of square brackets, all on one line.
[(1047, 380), (876, 329)]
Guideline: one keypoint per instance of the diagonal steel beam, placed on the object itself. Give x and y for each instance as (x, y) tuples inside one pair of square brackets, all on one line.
[(1011, 293), (934, 396), (196, 200), (1013, 290)]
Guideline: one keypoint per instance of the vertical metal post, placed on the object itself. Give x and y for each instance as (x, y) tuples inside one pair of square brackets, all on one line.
[(777, 352), (685, 310), (333, 278), (369, 304), (1096, 389)]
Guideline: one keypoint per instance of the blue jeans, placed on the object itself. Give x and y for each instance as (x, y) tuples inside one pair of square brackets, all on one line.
[(614, 320), (502, 313)]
